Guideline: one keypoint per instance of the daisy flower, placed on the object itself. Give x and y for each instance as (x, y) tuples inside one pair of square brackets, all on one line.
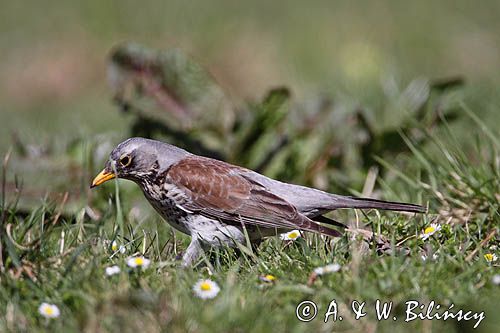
[(267, 278), (117, 248), (49, 310), (430, 230), (490, 257), (496, 279), (112, 270), (206, 289), (331, 268), (291, 236), (138, 262)]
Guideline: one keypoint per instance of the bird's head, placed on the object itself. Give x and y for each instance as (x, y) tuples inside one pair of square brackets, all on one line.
[(137, 158), (132, 159)]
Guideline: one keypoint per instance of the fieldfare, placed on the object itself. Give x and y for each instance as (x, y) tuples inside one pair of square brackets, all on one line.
[(216, 203)]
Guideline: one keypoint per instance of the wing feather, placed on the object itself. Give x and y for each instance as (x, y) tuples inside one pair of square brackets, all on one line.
[(218, 190)]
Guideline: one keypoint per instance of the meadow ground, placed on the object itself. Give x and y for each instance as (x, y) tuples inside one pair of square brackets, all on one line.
[(367, 117), (65, 260)]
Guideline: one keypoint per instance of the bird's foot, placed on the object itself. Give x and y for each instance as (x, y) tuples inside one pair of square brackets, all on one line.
[(192, 254)]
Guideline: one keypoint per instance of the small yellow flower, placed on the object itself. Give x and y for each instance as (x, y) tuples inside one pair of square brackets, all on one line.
[(290, 236), (49, 310), (138, 262), (267, 278), (490, 257), (206, 289), (117, 248), (430, 230)]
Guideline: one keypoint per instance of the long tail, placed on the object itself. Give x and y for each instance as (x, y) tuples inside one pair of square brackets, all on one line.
[(305, 223), (366, 203)]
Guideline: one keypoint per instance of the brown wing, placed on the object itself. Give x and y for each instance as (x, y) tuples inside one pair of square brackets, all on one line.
[(218, 190)]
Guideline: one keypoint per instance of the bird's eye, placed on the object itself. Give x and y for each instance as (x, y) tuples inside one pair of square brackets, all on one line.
[(125, 160)]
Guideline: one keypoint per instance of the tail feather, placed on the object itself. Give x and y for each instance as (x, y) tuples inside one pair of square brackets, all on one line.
[(326, 231), (324, 219), (366, 203), (313, 224), (307, 224)]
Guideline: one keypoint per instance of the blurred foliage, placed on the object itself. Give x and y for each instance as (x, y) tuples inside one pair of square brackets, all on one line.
[(170, 97), (173, 81), (343, 62)]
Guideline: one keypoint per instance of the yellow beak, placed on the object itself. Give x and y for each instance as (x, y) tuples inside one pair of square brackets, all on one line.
[(102, 177)]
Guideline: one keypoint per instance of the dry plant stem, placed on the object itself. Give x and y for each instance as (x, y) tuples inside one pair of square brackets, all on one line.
[(4, 213), (8, 232), (36, 242), (404, 240), (483, 242), (371, 179), (63, 203)]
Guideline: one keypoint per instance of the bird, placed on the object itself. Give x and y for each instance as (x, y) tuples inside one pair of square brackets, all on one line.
[(220, 204)]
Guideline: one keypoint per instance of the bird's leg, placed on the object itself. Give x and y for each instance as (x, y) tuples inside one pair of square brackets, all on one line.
[(193, 252)]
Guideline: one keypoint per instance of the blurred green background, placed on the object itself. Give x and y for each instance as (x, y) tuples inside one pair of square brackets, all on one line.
[(52, 64), (54, 89)]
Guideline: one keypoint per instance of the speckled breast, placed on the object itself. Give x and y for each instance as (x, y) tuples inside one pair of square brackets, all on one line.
[(160, 197)]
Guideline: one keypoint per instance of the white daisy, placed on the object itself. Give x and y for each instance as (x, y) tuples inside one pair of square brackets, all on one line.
[(112, 270), (49, 310), (490, 257), (430, 230), (331, 268), (138, 262), (206, 289), (291, 236), (496, 279), (267, 278), (117, 248)]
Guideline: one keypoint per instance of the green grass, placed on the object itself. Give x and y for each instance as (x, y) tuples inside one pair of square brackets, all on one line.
[(61, 259)]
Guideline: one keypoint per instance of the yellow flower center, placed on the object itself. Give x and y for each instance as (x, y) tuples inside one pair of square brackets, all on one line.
[(293, 235), (48, 310), (114, 247), (429, 230), (205, 286), (488, 257), (139, 261), (270, 277)]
